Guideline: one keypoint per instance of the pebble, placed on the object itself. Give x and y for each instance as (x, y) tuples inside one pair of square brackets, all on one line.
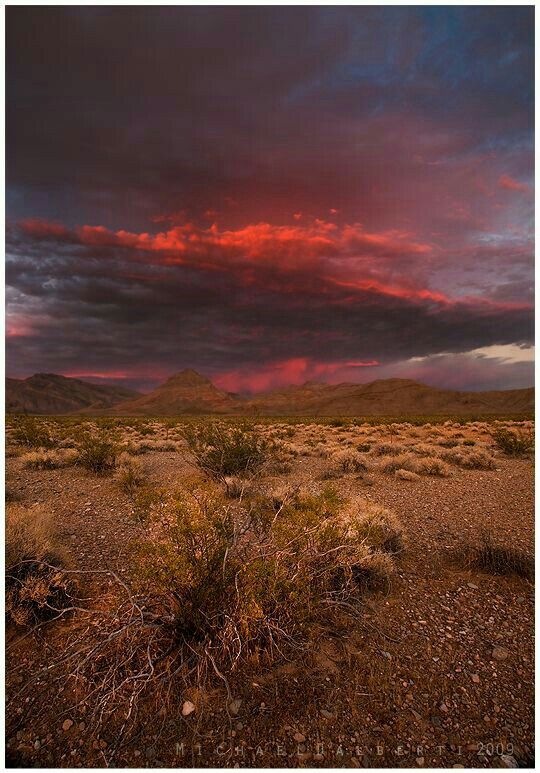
[(188, 708), (499, 653), (420, 761), (475, 678), (67, 725), (234, 706), (299, 737)]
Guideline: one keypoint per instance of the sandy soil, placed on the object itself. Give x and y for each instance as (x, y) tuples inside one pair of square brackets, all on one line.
[(417, 682)]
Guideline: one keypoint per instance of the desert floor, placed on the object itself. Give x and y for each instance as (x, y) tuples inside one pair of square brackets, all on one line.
[(436, 671)]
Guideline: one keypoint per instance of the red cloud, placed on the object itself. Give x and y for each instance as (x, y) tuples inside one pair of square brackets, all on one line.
[(296, 370), (509, 184)]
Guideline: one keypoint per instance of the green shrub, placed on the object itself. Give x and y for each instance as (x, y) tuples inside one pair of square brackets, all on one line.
[(97, 453), (222, 450), (33, 433), (516, 443), (250, 577)]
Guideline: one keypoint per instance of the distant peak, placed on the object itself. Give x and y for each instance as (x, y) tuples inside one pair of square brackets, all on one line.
[(187, 377)]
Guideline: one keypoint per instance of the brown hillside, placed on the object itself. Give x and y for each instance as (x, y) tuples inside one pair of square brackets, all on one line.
[(389, 397), (48, 393)]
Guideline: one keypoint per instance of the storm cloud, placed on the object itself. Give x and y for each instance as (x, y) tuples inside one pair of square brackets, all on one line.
[(269, 195)]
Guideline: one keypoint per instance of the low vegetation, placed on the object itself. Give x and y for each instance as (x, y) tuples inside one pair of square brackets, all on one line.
[(222, 450), (488, 556), (514, 442), (35, 588), (97, 453)]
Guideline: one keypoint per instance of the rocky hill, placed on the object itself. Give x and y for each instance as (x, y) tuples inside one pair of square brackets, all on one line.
[(185, 392)]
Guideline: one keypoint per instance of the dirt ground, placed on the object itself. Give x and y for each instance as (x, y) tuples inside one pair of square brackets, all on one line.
[(437, 672)]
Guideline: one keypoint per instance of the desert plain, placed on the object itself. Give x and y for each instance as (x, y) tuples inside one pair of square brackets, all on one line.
[(390, 615)]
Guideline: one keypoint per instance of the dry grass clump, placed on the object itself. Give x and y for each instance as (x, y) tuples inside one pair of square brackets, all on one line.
[(44, 459), (129, 473), (350, 461), (496, 559), (34, 589), (469, 460), (406, 475), (421, 465)]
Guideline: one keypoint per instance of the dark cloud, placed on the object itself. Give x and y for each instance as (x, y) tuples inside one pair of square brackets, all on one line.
[(227, 188)]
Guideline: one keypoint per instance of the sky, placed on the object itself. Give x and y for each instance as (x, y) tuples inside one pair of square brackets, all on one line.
[(271, 195)]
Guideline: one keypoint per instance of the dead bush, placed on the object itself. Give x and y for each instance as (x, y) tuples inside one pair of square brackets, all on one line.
[(421, 465)]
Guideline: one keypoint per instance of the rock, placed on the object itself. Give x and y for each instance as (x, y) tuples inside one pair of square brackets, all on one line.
[(508, 761), (188, 708), (299, 737), (499, 653), (475, 678), (67, 725), (234, 706)]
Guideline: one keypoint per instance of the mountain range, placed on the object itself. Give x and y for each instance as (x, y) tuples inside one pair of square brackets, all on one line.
[(188, 392)]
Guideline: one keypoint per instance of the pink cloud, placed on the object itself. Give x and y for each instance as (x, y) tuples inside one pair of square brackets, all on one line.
[(509, 184), (293, 371)]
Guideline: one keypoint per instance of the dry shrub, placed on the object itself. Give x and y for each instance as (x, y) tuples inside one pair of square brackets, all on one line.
[(406, 475), (421, 465), (496, 559), (469, 460), (42, 459), (35, 590), (379, 527), (129, 473), (350, 461), (388, 449)]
